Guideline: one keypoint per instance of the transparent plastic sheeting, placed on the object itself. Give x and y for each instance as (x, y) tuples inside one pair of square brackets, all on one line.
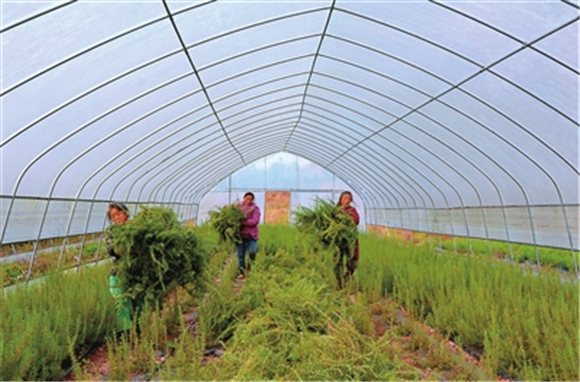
[(463, 108), (65, 218), (540, 225)]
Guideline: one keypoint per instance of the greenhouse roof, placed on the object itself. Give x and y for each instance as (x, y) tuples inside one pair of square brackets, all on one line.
[(415, 104)]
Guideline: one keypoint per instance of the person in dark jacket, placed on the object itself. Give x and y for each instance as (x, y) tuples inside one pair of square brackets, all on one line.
[(345, 201), (249, 242)]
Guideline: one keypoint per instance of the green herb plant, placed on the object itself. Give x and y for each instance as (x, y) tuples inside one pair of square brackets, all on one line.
[(334, 229), (43, 323), (521, 323), (158, 254), (227, 221)]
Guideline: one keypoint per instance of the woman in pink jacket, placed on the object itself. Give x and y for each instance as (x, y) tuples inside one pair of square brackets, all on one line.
[(249, 233)]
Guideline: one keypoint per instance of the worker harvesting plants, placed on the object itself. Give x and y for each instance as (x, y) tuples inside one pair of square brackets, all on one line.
[(118, 214), (238, 224), (335, 228), (344, 201), (158, 254), (249, 233)]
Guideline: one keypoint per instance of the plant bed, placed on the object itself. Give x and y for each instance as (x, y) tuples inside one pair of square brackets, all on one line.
[(42, 324), (407, 314), (289, 322), (49, 261), (523, 324)]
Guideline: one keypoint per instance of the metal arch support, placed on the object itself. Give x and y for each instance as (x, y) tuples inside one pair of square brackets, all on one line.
[(68, 136), (87, 93), (313, 65), (175, 174), (81, 53), (199, 79), (179, 192), (61, 171), (208, 150), (367, 179), (424, 177), (103, 166), (107, 177), (223, 168), (531, 160)]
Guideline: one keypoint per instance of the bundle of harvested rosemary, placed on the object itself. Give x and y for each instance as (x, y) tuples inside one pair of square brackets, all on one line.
[(227, 221), (333, 228), (157, 254)]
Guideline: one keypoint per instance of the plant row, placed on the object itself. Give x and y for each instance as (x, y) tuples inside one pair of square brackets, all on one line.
[(554, 258), (291, 321), (521, 323), (43, 323), (46, 323), (50, 262), (28, 246)]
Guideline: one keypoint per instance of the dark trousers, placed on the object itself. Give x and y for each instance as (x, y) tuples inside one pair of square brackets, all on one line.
[(250, 246)]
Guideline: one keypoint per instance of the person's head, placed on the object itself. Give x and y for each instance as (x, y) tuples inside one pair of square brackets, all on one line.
[(345, 199), (118, 213), (248, 198)]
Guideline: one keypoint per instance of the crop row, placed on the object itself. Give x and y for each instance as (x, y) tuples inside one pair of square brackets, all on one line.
[(564, 260), (290, 321), (52, 260)]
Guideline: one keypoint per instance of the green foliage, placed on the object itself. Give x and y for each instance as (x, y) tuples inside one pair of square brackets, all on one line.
[(13, 273), (333, 228), (227, 221), (157, 254), (563, 259), (134, 353), (47, 261), (220, 312), (289, 323), (277, 236), (41, 323), (525, 323), (94, 250)]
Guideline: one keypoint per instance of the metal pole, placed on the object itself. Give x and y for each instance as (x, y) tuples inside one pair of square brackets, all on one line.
[(230, 189)]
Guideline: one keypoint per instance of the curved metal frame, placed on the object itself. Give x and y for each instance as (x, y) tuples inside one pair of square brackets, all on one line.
[(290, 122)]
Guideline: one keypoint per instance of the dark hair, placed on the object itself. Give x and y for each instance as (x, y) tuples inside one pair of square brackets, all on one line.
[(120, 206), (251, 194), (342, 194)]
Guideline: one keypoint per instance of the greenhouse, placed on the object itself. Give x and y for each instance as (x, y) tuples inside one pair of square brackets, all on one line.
[(454, 125)]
